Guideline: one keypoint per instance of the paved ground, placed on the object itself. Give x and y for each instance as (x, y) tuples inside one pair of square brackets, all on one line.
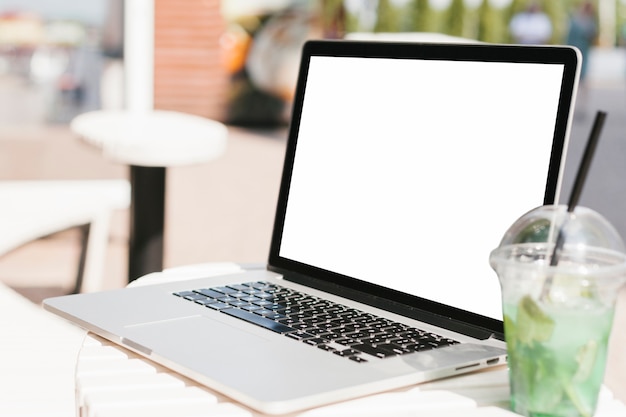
[(605, 187)]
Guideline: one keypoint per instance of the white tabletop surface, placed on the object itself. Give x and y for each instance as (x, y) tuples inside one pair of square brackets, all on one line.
[(113, 382), (38, 354), (156, 138)]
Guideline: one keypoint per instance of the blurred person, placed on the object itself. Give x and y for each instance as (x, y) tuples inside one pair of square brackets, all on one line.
[(79, 85), (112, 47), (531, 26), (582, 32)]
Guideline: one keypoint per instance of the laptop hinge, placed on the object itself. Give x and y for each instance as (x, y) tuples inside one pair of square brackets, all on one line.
[(455, 325)]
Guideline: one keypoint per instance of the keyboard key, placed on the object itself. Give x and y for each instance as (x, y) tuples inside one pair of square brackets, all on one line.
[(258, 320), (316, 331), (421, 347), (358, 335), (205, 301), (399, 350), (194, 296), (238, 303), (183, 293), (347, 313), (329, 336), (274, 316), (256, 284), (346, 352), (264, 295), (238, 294), (239, 287), (224, 290), (326, 326), (377, 351), (341, 321), (313, 320), (379, 324), (210, 293), (325, 347), (375, 340), (299, 335), (252, 291), (219, 306), (315, 341), (402, 341), (346, 341), (298, 315), (410, 334), (288, 321)]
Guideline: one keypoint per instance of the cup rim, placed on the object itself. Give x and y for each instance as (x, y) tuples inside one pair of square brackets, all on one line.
[(497, 260)]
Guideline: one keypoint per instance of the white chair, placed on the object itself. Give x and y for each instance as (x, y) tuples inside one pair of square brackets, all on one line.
[(34, 209)]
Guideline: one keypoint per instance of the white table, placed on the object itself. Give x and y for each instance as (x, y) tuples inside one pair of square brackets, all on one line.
[(37, 359), (114, 382), (149, 142)]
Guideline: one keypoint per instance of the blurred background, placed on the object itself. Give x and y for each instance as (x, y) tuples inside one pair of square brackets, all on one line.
[(67, 56), (236, 61)]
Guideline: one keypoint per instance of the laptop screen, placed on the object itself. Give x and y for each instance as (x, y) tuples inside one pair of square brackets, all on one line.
[(407, 172)]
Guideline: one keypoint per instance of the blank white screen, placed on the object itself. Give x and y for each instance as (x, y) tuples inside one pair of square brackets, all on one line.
[(407, 173)]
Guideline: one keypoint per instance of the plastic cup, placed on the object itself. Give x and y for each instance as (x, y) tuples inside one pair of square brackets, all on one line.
[(558, 317)]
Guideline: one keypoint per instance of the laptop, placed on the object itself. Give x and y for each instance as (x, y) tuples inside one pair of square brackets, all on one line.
[(405, 164)]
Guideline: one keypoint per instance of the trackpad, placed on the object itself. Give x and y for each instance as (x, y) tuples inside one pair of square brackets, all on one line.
[(188, 335)]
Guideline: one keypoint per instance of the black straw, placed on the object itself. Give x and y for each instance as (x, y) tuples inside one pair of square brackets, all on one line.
[(585, 163), (579, 182)]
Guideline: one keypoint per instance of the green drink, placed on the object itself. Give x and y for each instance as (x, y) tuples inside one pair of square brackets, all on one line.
[(557, 357), (558, 315)]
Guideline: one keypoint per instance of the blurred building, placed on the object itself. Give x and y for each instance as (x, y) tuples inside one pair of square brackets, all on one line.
[(189, 74)]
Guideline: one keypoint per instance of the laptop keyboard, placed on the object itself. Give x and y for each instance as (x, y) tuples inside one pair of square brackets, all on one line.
[(342, 330)]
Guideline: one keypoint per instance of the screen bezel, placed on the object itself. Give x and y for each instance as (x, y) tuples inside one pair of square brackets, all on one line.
[(401, 303)]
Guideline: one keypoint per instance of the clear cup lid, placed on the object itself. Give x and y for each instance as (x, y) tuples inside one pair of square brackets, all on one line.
[(583, 228)]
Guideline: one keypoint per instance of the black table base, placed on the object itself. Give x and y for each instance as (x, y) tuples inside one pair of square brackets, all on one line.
[(147, 219)]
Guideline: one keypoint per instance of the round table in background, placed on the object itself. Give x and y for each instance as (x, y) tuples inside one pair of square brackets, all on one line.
[(149, 142)]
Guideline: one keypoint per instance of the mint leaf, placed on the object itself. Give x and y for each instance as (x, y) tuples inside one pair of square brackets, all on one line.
[(537, 231), (533, 325), (586, 358)]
